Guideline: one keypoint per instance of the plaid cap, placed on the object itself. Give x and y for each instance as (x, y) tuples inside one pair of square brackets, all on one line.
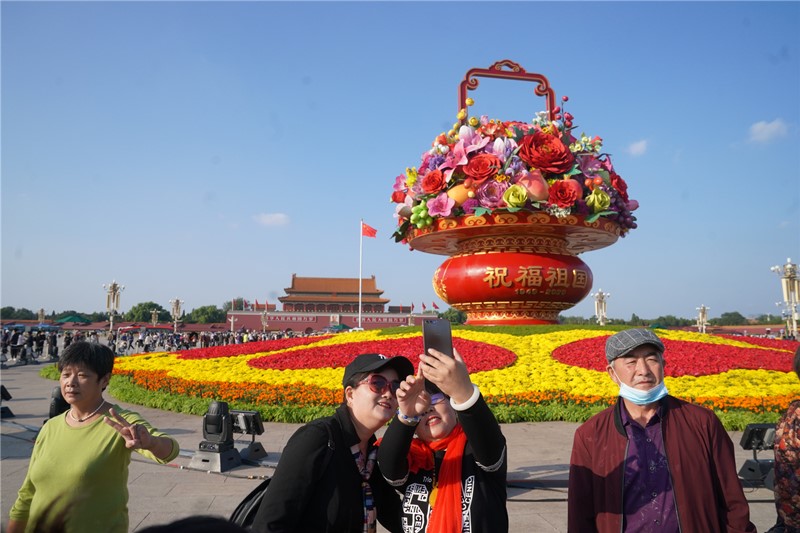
[(623, 342), (373, 362)]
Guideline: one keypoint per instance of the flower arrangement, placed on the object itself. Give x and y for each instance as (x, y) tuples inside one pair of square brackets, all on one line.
[(522, 372), (482, 165)]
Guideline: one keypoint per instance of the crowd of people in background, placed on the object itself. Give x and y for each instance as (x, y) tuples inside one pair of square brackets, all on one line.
[(29, 347)]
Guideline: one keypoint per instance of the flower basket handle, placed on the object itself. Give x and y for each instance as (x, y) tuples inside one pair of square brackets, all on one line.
[(514, 72)]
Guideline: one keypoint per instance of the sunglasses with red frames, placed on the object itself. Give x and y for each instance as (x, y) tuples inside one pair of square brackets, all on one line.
[(379, 384)]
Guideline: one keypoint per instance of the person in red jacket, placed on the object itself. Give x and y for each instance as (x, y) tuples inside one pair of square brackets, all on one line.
[(652, 462)]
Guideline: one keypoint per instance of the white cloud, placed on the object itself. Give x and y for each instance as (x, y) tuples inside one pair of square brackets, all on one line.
[(638, 148), (271, 219), (763, 132)]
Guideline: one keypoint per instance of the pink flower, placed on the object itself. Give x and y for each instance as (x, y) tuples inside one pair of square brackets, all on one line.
[(442, 205)]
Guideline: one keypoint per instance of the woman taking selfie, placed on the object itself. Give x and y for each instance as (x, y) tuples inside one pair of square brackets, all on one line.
[(326, 479), (452, 476)]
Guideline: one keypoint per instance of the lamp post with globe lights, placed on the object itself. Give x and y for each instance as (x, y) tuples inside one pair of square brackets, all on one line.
[(702, 318), (264, 320), (176, 313), (600, 299), (790, 286), (113, 291)]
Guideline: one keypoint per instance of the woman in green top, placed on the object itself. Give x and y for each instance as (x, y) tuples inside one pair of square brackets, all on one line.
[(79, 464)]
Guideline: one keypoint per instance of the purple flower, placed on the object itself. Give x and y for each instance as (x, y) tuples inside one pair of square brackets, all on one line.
[(470, 205), (435, 161), (442, 205), (589, 165), (490, 194)]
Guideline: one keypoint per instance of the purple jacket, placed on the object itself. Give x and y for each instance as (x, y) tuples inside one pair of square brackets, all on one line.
[(708, 493)]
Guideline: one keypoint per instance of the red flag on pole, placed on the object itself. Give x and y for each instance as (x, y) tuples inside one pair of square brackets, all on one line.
[(434, 305), (412, 307), (423, 307), (367, 230)]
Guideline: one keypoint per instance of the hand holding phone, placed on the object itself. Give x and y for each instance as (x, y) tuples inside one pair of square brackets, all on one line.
[(436, 334)]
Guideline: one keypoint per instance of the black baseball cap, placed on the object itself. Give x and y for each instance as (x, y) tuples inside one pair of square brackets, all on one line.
[(373, 362)]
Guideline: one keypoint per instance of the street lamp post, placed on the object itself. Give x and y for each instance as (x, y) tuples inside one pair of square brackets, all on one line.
[(264, 321), (176, 313), (232, 320), (702, 318), (600, 299), (790, 286), (113, 291)]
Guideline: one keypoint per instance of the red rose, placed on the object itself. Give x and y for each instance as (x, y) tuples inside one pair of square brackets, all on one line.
[(546, 152), (482, 167), (564, 193), (619, 184), (398, 197), (432, 182)]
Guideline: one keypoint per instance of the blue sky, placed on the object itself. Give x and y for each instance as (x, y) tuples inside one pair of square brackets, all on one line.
[(205, 150)]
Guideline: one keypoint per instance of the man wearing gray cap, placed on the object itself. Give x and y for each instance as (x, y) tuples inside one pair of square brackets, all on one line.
[(652, 462)]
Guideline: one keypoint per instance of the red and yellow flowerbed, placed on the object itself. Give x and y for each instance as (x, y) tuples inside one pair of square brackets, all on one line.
[(525, 373)]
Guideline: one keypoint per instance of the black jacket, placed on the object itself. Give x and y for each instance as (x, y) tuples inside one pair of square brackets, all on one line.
[(313, 491), (483, 473)]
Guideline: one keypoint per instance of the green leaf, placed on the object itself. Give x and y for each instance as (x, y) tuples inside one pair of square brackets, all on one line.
[(400, 232), (595, 216), (575, 170), (482, 211)]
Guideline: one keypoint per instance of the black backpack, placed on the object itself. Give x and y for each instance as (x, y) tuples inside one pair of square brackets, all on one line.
[(245, 512)]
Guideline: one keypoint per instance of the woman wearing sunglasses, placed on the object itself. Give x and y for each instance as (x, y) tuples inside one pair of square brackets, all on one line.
[(452, 477), (326, 479)]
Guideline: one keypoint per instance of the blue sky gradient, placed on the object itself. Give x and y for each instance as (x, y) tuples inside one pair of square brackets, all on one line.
[(206, 150)]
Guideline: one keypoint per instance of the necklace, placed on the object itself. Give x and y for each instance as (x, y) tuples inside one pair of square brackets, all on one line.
[(85, 418)]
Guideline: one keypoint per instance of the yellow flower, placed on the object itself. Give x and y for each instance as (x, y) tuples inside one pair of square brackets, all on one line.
[(411, 176), (598, 200), (515, 196)]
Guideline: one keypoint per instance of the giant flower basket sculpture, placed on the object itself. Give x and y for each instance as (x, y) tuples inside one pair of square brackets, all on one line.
[(512, 204)]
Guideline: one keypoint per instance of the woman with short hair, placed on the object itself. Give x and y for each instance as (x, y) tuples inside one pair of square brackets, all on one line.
[(80, 460)]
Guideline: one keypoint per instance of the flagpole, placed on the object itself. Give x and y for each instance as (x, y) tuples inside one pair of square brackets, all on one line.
[(360, 255)]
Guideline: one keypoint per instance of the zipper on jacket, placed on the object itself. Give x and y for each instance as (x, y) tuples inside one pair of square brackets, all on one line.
[(669, 471), (622, 489)]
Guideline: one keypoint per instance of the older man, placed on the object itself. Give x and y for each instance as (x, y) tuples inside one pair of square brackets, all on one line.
[(652, 462)]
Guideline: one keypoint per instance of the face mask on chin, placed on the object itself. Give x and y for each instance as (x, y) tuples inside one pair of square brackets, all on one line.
[(641, 397)]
